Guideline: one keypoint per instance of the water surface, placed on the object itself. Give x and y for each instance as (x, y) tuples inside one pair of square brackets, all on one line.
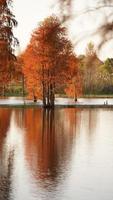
[(65, 154)]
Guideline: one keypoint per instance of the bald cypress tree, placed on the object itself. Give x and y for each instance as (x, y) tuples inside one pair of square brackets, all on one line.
[(7, 41)]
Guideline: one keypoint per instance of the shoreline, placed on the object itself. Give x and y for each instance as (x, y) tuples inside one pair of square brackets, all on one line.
[(57, 106), (59, 103)]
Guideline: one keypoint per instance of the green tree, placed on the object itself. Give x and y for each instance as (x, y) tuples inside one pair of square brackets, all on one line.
[(105, 77), (88, 66)]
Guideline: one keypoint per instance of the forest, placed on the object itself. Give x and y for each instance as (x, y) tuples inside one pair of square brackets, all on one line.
[(49, 66)]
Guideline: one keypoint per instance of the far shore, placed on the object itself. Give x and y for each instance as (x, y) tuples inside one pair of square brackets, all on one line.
[(36, 105), (60, 102)]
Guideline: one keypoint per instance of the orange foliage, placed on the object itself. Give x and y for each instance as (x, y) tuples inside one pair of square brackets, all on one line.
[(7, 41), (74, 86), (47, 60), (31, 73)]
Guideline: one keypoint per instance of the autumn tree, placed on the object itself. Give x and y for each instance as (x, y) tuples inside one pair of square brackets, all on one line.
[(7, 42), (47, 59), (32, 74), (18, 73), (74, 85)]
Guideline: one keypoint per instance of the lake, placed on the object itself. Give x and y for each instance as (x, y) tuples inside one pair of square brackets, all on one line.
[(65, 154)]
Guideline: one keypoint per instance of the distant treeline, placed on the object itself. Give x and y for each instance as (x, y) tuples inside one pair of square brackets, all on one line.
[(97, 76)]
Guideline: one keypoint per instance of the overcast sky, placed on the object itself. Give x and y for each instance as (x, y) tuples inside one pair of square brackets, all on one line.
[(30, 12)]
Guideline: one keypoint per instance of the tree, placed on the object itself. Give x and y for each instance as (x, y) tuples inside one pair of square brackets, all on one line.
[(7, 41), (74, 85), (32, 74), (47, 57), (18, 74), (105, 77), (109, 65), (89, 66)]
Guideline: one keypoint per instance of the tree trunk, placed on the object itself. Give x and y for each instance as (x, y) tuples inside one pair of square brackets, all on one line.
[(48, 90), (48, 96), (35, 99), (51, 95), (4, 90), (75, 98), (23, 88), (44, 95)]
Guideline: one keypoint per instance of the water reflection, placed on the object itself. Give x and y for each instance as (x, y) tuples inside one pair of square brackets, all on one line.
[(4, 124), (56, 154), (49, 142)]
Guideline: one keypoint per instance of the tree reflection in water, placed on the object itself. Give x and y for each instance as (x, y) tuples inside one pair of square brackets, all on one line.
[(35, 152), (5, 170), (48, 142), (55, 154), (36, 146)]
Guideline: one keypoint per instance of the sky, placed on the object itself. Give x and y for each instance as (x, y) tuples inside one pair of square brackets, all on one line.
[(29, 13)]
